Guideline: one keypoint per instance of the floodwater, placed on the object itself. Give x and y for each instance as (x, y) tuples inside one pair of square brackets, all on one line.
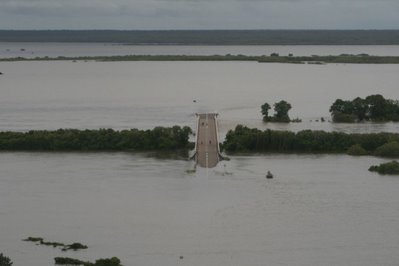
[(30, 50), (52, 94), (318, 210)]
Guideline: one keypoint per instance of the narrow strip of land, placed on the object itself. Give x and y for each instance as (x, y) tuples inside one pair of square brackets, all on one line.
[(273, 58)]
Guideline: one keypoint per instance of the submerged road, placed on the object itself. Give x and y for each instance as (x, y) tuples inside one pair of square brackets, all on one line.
[(207, 153)]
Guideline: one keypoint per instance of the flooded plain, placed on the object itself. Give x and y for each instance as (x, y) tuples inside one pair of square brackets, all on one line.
[(318, 210)]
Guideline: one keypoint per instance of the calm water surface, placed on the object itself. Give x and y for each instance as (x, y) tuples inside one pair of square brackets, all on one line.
[(319, 210), (52, 95), (10, 49)]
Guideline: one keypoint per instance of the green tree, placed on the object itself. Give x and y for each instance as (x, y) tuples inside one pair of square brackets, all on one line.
[(377, 106), (5, 261), (338, 106), (393, 110), (265, 111), (281, 108), (360, 108), (342, 111), (373, 107)]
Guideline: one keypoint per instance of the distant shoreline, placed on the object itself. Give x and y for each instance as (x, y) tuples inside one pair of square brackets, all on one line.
[(207, 37), (273, 58)]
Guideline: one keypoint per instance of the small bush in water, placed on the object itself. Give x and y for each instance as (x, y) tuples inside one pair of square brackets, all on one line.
[(5, 261), (391, 168)]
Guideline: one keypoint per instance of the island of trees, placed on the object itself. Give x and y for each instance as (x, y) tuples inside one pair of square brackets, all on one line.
[(373, 108), (281, 109), (244, 139)]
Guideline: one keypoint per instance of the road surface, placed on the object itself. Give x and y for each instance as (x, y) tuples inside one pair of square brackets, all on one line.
[(207, 154)]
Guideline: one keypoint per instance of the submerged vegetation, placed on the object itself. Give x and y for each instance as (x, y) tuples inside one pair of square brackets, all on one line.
[(391, 168), (70, 261), (114, 261), (64, 247), (373, 108), (244, 139), (159, 138), (273, 58)]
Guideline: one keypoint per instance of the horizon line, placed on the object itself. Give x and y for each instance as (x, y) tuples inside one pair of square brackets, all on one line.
[(354, 29)]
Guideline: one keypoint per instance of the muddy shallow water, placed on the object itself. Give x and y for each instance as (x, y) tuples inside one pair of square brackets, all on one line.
[(318, 210)]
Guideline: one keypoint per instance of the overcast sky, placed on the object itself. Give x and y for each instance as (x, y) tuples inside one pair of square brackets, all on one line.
[(199, 14)]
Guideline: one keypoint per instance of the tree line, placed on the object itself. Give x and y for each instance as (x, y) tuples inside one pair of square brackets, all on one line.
[(159, 138), (244, 139), (210, 37)]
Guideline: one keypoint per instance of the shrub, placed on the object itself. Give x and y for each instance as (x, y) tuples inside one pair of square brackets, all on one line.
[(76, 246), (343, 118), (390, 149), (391, 168), (356, 150), (5, 261), (108, 262), (69, 261), (33, 239)]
